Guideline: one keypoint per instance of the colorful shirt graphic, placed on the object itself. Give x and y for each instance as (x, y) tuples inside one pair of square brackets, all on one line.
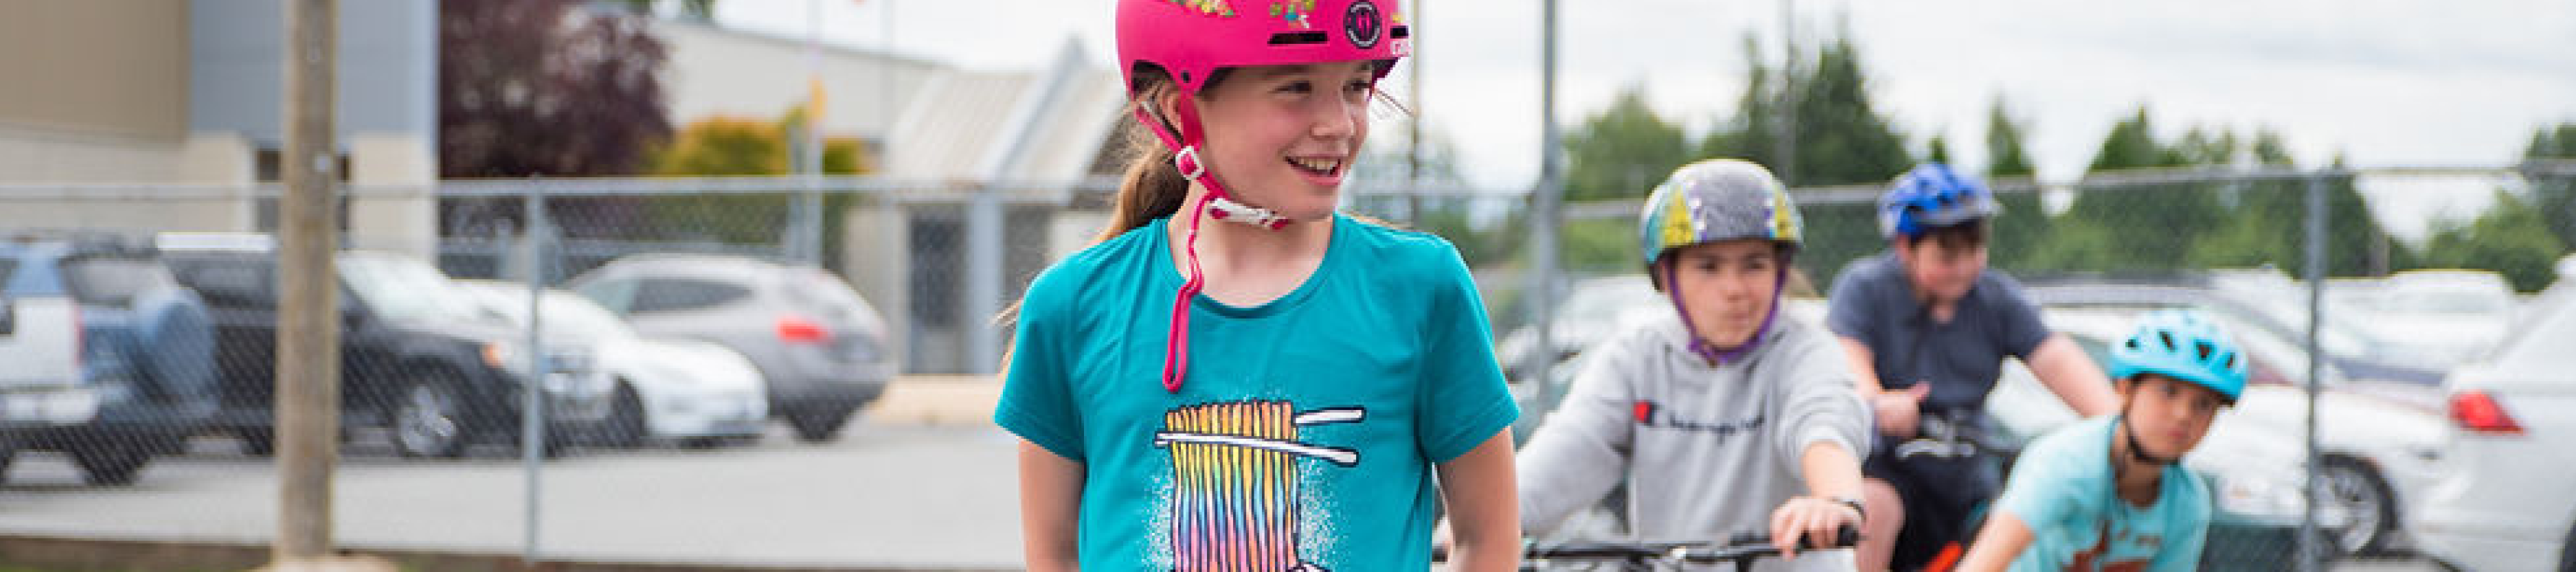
[(1303, 439)]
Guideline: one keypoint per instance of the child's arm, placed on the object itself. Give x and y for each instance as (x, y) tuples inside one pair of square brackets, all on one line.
[(1484, 507), (1050, 508), (1832, 472), (2072, 375), (2003, 539)]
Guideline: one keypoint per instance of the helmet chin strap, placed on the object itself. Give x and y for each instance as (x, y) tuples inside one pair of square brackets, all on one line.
[(2137, 450), (1218, 204), (1711, 352)]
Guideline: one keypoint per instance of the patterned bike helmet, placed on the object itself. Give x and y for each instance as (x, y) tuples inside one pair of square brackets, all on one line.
[(2184, 345), (1713, 200), (1932, 196)]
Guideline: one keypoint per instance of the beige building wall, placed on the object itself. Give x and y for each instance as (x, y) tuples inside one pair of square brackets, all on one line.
[(111, 69), (392, 201)]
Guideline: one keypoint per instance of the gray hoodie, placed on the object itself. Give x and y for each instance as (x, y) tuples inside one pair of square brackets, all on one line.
[(1707, 452)]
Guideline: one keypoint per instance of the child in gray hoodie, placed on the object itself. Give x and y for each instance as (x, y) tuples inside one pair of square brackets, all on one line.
[(1721, 417)]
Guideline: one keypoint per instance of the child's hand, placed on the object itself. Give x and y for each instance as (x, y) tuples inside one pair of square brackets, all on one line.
[(1811, 518), (1899, 412)]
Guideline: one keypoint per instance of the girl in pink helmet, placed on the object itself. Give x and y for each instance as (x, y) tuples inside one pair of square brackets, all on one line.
[(1237, 377)]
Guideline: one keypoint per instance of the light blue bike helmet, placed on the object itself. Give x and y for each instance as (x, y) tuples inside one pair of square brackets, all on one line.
[(2184, 345), (1932, 196)]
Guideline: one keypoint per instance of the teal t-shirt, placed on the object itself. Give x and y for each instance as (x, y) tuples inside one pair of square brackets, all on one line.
[(2061, 487), (1304, 435)]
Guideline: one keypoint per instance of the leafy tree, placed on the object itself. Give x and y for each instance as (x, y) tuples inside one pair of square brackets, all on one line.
[(739, 146), (2510, 238), (1622, 152), (1939, 150), (2554, 194), (2024, 222), (1842, 139), (2142, 227), (538, 87)]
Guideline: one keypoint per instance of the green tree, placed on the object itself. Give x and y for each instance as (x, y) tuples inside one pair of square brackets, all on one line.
[(1938, 150), (2510, 238), (1842, 139), (2141, 227), (1622, 152), (2022, 226), (2554, 193), (732, 146)]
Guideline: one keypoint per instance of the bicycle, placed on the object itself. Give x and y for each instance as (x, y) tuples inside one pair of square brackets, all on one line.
[(1742, 550), (1956, 435)]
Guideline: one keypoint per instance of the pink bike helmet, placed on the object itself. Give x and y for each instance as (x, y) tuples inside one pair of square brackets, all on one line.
[(1191, 40)]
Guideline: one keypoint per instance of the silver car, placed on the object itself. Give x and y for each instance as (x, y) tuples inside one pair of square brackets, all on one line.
[(822, 347)]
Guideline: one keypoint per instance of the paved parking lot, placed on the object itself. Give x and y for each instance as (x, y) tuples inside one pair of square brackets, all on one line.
[(923, 482)]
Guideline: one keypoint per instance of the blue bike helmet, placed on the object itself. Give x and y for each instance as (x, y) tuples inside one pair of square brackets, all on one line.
[(1713, 200), (2181, 344), (1932, 196)]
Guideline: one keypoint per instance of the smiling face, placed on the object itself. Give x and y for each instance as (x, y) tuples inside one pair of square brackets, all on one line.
[(1282, 137), (1727, 286)]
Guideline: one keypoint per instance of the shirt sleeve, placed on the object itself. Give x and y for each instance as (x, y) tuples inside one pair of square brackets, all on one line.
[(1847, 306), (2041, 491), (1583, 448), (1464, 401), (1817, 403), (2018, 318), (1036, 402)]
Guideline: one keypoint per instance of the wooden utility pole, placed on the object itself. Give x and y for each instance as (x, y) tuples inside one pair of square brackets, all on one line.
[(308, 322)]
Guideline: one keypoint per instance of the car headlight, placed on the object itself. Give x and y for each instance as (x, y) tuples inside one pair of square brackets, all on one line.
[(2263, 496)]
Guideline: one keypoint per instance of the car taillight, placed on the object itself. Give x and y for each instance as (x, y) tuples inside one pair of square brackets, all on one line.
[(795, 329), (2480, 413)]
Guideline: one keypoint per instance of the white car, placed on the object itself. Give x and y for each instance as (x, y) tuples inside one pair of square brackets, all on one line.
[(2503, 500), (689, 391), (2453, 315)]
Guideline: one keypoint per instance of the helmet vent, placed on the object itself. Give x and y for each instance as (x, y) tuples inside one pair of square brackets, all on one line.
[(2231, 361), (2167, 338), (1300, 38), (2204, 348)]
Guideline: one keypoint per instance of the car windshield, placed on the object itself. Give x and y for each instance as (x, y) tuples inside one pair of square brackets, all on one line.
[(565, 312), (407, 290), (2551, 322), (113, 281)]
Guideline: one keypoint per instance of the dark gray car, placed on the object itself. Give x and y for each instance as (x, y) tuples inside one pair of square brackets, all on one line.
[(820, 345)]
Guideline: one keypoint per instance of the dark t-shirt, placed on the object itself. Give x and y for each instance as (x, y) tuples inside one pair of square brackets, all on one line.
[(1872, 302)]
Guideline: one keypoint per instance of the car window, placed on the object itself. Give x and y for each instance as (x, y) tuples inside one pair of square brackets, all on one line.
[(229, 285), (672, 294), (407, 290), (828, 295), (113, 281), (2544, 337), (7, 267), (617, 295)]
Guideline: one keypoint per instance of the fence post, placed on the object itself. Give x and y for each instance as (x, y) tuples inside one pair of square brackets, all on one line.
[(532, 402), (983, 294), (307, 427), (2310, 554)]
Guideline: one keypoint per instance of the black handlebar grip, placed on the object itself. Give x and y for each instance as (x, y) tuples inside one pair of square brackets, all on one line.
[(1846, 536)]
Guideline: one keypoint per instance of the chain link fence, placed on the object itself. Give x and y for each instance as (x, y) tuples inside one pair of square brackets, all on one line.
[(683, 316)]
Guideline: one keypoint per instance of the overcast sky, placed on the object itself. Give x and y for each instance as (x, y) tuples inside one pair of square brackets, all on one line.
[(2384, 82)]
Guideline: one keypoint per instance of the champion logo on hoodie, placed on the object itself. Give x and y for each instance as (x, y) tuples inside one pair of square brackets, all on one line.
[(1650, 414)]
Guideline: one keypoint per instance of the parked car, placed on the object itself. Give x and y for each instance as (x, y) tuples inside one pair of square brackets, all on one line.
[(418, 355), (1591, 310), (2502, 500), (822, 348), (2453, 314), (667, 389), (107, 359), (2358, 353)]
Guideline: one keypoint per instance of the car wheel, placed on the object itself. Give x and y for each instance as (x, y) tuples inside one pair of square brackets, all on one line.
[(429, 419), (816, 426), (2355, 490), (111, 464), (625, 426)]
